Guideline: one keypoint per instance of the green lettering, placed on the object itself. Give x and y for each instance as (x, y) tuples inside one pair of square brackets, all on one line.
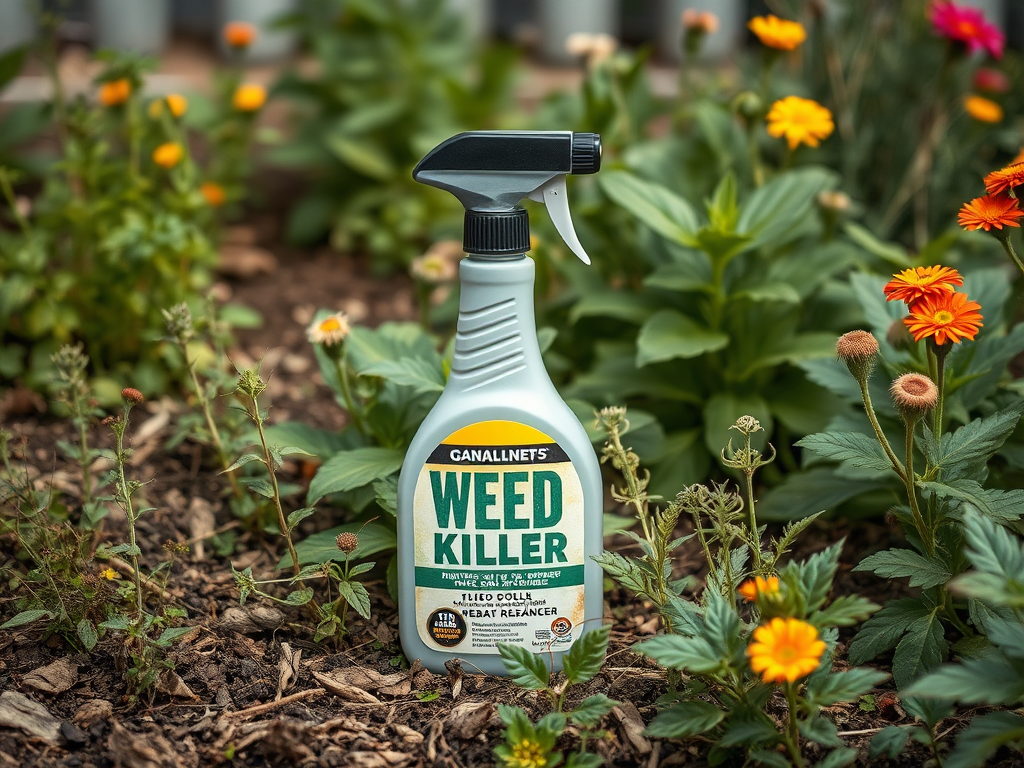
[(554, 548), (513, 500), (481, 558), (482, 500), (443, 548), (531, 549), (545, 516), (450, 501), (503, 556)]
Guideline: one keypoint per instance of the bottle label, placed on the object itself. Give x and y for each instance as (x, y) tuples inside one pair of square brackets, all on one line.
[(499, 544)]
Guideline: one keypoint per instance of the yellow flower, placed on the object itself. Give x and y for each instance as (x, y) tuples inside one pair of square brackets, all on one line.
[(751, 588), (249, 97), (784, 650), (115, 92), (777, 33), (433, 268), (109, 574), (168, 155), (528, 754), (214, 193), (177, 103), (983, 110), (801, 121), (329, 331)]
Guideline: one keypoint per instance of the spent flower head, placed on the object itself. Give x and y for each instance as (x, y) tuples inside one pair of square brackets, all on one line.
[(595, 48), (784, 650), (131, 396), (914, 395), (179, 322), (746, 458), (347, 542), (704, 22), (859, 350)]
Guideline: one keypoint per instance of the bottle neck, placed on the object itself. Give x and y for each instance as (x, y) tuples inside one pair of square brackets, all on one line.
[(496, 340)]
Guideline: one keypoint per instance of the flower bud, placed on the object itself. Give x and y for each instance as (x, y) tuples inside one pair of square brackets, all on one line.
[(347, 542), (132, 396), (914, 395), (859, 350), (899, 336)]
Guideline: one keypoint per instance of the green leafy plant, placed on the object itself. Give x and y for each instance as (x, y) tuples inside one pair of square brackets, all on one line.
[(526, 741)]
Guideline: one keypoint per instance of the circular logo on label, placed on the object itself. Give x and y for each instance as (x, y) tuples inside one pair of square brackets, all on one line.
[(446, 627), (561, 626)]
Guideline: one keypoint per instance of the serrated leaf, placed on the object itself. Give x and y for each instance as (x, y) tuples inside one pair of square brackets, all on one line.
[(883, 630), (25, 617), (258, 485), (965, 452), (922, 649), (821, 730), (583, 760), (889, 741), (748, 732), (356, 596), (687, 718), (586, 656), (171, 634), (983, 737), (353, 469), (527, 670), (901, 563), (296, 517), (693, 654), (356, 570), (1000, 506), (300, 596), (853, 447), (622, 570), (993, 549), (246, 459), (844, 611), (592, 709), (835, 687), (838, 758), (86, 632), (991, 679), (422, 376)]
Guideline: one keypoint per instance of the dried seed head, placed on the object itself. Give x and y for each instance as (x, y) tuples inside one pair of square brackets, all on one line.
[(899, 336), (859, 350), (132, 396), (347, 542), (914, 394)]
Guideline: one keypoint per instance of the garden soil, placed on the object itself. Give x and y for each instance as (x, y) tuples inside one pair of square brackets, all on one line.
[(249, 686)]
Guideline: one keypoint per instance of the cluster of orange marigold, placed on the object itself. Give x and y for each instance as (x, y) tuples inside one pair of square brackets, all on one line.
[(936, 310), (247, 97), (784, 649)]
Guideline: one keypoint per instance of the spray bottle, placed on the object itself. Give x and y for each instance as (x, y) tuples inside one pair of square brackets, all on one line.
[(500, 496)]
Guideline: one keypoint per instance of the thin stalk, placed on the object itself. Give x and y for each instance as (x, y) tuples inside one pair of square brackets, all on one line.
[(83, 447), (879, 434), (793, 730), (122, 487), (346, 392), (925, 531), (749, 475), (281, 521), (211, 425), (1008, 247), (939, 353)]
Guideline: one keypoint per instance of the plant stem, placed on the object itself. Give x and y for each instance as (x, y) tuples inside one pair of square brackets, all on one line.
[(1008, 247), (924, 530), (749, 475), (939, 352), (346, 392), (211, 425), (122, 487), (793, 730), (879, 434)]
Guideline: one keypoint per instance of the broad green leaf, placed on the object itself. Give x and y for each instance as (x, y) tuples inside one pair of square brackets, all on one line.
[(835, 687), (316, 442), (296, 517), (355, 595), (301, 596), (171, 634), (592, 709), (527, 669), (991, 679), (680, 277), (781, 292), (965, 452), (889, 741), (586, 656), (353, 469), (321, 547), (421, 375), (654, 205), (245, 459), (792, 349), (840, 757), (884, 630), (364, 156), (86, 632), (901, 563), (746, 732), (688, 718), (618, 305), (804, 493), (258, 485), (983, 737), (25, 617), (997, 505), (922, 649), (853, 447), (993, 549), (894, 254), (821, 730), (773, 214), (669, 334)]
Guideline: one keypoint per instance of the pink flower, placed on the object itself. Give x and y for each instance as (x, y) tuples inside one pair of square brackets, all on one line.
[(967, 26), (991, 81)]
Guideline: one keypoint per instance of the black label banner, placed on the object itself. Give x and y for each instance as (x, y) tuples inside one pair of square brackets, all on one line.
[(541, 453)]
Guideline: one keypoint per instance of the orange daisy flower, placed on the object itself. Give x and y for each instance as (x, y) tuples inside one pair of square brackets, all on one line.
[(115, 92), (990, 211), (949, 317), (784, 650), (780, 34), (912, 285), (751, 588), (1006, 179)]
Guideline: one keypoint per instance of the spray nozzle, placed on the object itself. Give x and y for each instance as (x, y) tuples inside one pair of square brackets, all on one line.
[(491, 172)]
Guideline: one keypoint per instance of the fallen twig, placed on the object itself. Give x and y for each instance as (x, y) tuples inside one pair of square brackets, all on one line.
[(259, 709)]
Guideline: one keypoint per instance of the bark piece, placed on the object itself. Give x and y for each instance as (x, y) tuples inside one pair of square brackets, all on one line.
[(632, 727), (367, 679), (92, 712), (287, 668), (343, 690), (131, 750), (468, 719), (251, 621), (19, 711), (53, 678), (386, 758)]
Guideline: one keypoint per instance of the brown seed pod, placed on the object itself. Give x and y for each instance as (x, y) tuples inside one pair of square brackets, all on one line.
[(132, 396), (347, 542)]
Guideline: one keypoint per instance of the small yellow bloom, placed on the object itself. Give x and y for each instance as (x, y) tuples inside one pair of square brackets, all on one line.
[(983, 110), (528, 754), (784, 650), (329, 331), (239, 34), (214, 193), (115, 92), (109, 574), (177, 103), (801, 121), (751, 588), (777, 33), (433, 268), (168, 155), (249, 97)]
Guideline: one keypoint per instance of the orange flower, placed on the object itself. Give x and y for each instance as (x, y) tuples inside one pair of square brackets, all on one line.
[(983, 110), (990, 211), (912, 285), (777, 33), (177, 103), (751, 588), (168, 155), (214, 193), (249, 97), (784, 650), (115, 92), (239, 34), (949, 317), (801, 121), (1006, 179)]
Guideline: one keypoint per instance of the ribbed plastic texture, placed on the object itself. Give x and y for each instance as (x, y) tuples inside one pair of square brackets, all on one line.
[(586, 153), (496, 233)]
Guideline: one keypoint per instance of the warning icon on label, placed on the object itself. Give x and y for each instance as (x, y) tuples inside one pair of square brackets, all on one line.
[(561, 626), (446, 627)]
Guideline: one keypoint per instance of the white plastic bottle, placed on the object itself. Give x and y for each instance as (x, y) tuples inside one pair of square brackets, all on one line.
[(500, 497)]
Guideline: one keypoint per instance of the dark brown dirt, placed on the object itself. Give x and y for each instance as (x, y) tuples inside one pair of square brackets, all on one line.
[(234, 707)]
